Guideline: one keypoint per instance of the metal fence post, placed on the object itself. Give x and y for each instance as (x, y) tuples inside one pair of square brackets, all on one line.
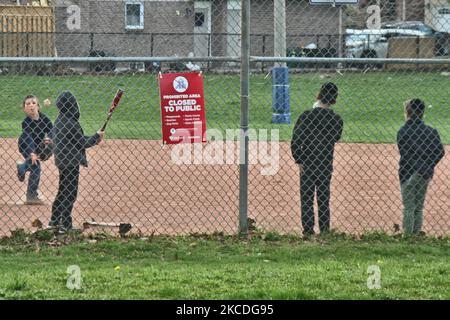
[(91, 38), (151, 44), (245, 75), (263, 50)]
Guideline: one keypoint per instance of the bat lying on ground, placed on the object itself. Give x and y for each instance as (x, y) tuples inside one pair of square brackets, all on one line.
[(113, 107), (123, 227)]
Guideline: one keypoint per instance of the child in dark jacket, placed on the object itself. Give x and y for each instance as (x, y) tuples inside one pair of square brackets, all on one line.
[(314, 137), (420, 150), (36, 131), (70, 146)]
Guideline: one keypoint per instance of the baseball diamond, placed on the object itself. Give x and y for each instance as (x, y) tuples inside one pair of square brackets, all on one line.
[(254, 151), (184, 199)]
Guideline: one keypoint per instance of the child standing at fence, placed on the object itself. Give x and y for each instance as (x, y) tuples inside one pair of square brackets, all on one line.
[(420, 150), (315, 134), (70, 146), (33, 141)]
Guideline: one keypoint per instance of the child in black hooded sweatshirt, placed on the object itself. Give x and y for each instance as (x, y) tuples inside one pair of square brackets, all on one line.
[(70, 146)]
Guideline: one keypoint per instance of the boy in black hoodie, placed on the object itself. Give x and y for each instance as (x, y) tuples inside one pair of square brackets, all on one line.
[(70, 146), (313, 139)]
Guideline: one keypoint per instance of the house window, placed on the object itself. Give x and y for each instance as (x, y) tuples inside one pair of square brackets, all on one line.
[(199, 19), (134, 15)]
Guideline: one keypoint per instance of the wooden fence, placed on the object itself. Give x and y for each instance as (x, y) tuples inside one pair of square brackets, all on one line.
[(27, 31)]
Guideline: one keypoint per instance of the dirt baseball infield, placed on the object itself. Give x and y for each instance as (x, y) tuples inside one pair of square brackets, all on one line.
[(135, 181)]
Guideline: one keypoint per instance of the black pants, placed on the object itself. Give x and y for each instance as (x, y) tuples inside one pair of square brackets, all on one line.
[(310, 183), (65, 199)]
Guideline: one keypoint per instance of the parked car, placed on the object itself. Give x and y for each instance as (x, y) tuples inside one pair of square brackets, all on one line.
[(442, 38), (373, 43), (365, 43)]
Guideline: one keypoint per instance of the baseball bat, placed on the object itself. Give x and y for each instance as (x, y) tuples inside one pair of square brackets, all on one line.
[(123, 227), (113, 107)]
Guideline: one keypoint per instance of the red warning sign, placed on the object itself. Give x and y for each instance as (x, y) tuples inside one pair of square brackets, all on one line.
[(182, 107)]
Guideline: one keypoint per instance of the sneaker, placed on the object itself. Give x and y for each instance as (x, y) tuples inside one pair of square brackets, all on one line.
[(308, 235), (20, 174), (35, 200)]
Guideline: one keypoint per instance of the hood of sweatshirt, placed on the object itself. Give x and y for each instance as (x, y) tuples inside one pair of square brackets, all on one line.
[(68, 106)]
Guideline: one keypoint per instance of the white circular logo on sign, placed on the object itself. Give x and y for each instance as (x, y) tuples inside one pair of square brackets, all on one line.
[(180, 84), (173, 130)]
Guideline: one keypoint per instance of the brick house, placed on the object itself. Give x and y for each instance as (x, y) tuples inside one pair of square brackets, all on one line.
[(179, 27), (166, 28)]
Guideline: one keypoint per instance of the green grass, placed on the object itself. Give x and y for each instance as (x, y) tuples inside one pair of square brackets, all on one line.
[(370, 104), (222, 267)]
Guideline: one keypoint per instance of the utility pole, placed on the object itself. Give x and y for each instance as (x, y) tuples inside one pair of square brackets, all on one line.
[(279, 27), (281, 110)]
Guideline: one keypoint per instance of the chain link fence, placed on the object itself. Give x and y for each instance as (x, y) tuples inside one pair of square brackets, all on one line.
[(379, 54)]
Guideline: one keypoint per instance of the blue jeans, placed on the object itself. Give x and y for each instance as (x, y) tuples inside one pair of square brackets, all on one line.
[(34, 178)]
